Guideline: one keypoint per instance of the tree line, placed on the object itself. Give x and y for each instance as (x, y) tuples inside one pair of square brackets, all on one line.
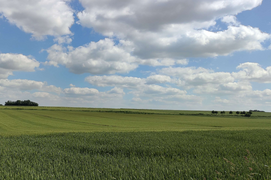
[(246, 114), (21, 103)]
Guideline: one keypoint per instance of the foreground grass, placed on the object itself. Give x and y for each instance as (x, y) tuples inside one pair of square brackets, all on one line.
[(138, 155)]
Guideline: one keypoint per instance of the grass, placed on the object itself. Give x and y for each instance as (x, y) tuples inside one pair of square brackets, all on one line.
[(132, 111), (138, 155), (81, 143), (49, 120)]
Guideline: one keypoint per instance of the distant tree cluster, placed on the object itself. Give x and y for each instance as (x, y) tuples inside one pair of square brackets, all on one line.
[(214, 112), (255, 110), (21, 103), (246, 114)]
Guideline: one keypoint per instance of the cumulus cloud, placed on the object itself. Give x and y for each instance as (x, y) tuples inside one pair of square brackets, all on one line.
[(165, 95), (192, 76), (173, 29), (40, 18), (82, 96), (103, 57), (45, 95), (231, 20), (198, 43), (27, 85), (114, 16), (253, 72), (146, 88), (119, 81), (219, 100), (116, 90), (148, 33), (16, 62), (158, 79), (63, 40), (205, 81), (159, 90), (80, 91)]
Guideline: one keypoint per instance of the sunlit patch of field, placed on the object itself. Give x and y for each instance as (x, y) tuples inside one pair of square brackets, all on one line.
[(54, 120)]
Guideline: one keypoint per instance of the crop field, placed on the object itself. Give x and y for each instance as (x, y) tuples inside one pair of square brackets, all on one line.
[(82, 143)]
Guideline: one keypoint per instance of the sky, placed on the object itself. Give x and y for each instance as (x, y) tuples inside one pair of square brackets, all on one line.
[(147, 54)]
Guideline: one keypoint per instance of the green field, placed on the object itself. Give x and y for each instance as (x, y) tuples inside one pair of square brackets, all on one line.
[(41, 120), (84, 143)]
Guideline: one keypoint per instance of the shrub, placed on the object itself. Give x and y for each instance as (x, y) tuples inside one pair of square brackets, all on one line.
[(214, 112), (247, 114), (243, 112)]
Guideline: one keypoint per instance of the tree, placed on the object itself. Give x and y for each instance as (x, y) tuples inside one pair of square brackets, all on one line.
[(230, 112), (237, 112), (243, 112), (247, 114), (214, 112), (21, 103)]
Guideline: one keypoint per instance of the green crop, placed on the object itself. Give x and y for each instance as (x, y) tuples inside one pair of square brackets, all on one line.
[(138, 155), (82, 143)]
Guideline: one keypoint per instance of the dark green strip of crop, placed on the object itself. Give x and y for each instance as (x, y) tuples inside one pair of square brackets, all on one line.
[(138, 155)]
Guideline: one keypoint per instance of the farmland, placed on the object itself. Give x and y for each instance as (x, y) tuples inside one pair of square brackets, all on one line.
[(82, 143)]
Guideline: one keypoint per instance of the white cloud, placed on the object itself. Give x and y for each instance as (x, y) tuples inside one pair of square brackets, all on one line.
[(16, 62), (27, 85), (219, 100), (5, 73), (82, 96), (231, 20), (159, 90), (165, 96), (162, 32), (40, 18), (119, 81), (103, 57), (158, 79), (204, 81), (191, 76), (260, 95), (253, 72), (81, 91), (158, 62), (146, 88), (45, 95), (63, 40), (114, 16), (149, 34), (182, 62), (198, 43), (116, 90)]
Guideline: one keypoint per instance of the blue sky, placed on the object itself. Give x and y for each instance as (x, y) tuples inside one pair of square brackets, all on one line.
[(157, 54)]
